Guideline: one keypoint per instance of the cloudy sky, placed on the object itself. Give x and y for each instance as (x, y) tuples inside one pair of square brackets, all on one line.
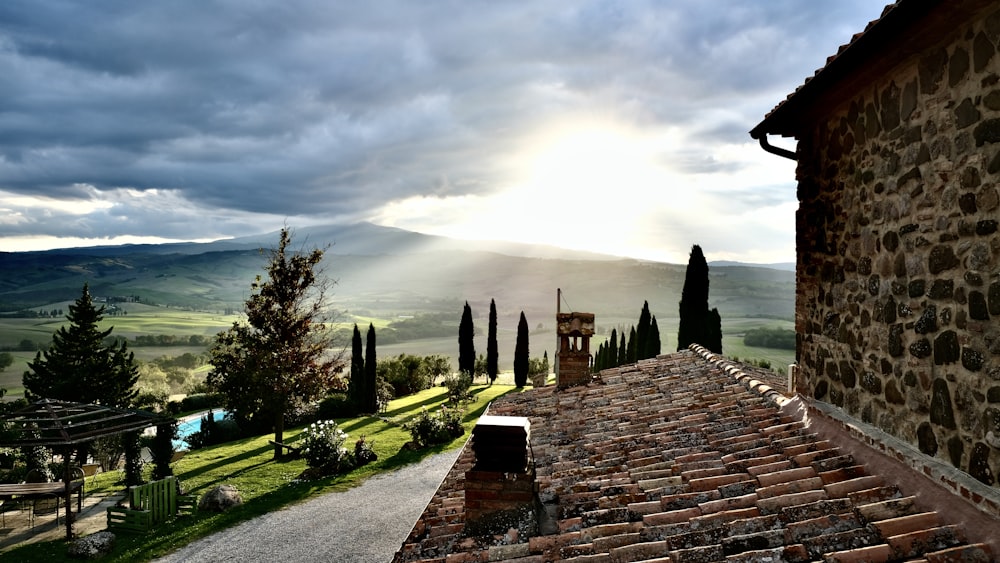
[(611, 126)]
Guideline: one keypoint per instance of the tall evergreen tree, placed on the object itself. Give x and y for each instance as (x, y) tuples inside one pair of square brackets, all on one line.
[(277, 359), (521, 359), (356, 388), (370, 403), (622, 350), (654, 339), (492, 353), (698, 325), (466, 344), (631, 352), (612, 350), (642, 333), (79, 367)]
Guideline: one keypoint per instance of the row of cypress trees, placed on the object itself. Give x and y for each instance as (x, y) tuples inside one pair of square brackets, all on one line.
[(363, 386), (698, 323), (643, 341), (467, 347)]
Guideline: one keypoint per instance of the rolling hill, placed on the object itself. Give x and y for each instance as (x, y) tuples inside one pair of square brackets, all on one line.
[(388, 272)]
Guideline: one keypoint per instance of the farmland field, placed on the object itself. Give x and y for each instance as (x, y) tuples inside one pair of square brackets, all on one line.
[(151, 320)]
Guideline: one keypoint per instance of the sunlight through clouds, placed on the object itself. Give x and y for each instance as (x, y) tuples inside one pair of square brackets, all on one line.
[(573, 183)]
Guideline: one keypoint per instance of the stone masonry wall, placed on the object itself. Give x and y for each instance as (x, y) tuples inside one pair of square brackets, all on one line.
[(898, 304)]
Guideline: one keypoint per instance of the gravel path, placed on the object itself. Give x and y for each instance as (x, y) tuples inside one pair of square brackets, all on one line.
[(366, 524)]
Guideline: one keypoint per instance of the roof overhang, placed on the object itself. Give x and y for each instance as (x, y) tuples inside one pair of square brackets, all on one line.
[(905, 29), (51, 423)]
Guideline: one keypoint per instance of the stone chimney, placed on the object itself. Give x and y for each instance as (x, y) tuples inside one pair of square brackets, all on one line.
[(574, 331), (500, 489)]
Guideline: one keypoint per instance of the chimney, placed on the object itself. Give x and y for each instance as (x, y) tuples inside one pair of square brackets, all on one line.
[(500, 489), (574, 331)]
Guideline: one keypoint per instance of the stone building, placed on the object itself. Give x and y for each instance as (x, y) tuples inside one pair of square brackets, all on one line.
[(898, 247), (691, 457)]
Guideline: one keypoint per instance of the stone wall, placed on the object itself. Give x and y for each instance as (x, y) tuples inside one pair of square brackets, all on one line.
[(898, 305)]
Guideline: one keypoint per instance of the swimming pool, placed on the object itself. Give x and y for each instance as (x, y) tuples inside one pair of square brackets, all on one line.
[(188, 427)]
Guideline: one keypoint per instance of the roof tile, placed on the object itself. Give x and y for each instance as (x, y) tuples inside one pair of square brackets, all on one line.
[(675, 459)]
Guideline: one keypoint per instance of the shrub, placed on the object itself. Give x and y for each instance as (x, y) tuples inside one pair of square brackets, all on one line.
[(384, 393), (323, 447), (200, 401), (336, 405), (213, 432), (301, 414), (363, 452), (458, 387), (427, 428)]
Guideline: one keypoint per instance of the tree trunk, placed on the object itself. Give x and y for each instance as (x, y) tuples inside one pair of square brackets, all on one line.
[(279, 432)]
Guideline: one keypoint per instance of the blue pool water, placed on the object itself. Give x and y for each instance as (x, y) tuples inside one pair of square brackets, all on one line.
[(185, 429)]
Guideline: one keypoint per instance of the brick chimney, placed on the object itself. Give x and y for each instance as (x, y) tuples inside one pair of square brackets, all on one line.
[(574, 331), (500, 489)]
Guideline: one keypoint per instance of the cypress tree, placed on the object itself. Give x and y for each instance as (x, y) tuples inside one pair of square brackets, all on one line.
[(622, 350), (370, 403), (492, 354), (642, 333), (356, 388), (466, 345), (612, 350), (521, 353), (631, 352), (698, 325), (654, 339)]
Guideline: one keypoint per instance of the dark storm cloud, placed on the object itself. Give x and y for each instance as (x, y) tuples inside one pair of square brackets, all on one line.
[(318, 108)]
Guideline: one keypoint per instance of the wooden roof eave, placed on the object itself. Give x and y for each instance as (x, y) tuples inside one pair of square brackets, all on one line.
[(906, 29)]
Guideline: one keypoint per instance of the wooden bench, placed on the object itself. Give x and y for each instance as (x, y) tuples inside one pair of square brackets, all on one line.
[(149, 505), (294, 451)]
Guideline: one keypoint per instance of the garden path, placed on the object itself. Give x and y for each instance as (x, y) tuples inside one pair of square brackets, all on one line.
[(366, 524)]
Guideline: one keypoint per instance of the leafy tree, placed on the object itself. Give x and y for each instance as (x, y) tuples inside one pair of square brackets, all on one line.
[(466, 345), (698, 325), (370, 402), (492, 354), (481, 367), (538, 366), (356, 387), (521, 362), (277, 359), (79, 367), (6, 360)]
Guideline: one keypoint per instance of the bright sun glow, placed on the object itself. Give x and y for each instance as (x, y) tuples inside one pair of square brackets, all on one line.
[(602, 187)]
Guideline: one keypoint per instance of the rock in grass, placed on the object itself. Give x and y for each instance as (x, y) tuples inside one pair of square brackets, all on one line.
[(92, 546), (220, 499)]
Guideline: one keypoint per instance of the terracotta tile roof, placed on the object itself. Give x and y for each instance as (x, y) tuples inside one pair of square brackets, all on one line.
[(687, 458)]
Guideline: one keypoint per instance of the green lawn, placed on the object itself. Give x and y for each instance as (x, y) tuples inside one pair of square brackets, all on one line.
[(267, 485)]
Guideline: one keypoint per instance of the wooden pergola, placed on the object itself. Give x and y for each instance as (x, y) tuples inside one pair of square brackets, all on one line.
[(64, 425)]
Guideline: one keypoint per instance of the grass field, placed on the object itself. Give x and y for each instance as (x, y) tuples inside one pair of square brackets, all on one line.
[(267, 485), (149, 320)]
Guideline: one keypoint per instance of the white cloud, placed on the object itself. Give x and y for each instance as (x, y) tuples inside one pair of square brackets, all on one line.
[(191, 119)]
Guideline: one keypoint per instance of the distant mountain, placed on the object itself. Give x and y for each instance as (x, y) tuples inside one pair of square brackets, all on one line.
[(786, 266), (361, 239), (386, 272)]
